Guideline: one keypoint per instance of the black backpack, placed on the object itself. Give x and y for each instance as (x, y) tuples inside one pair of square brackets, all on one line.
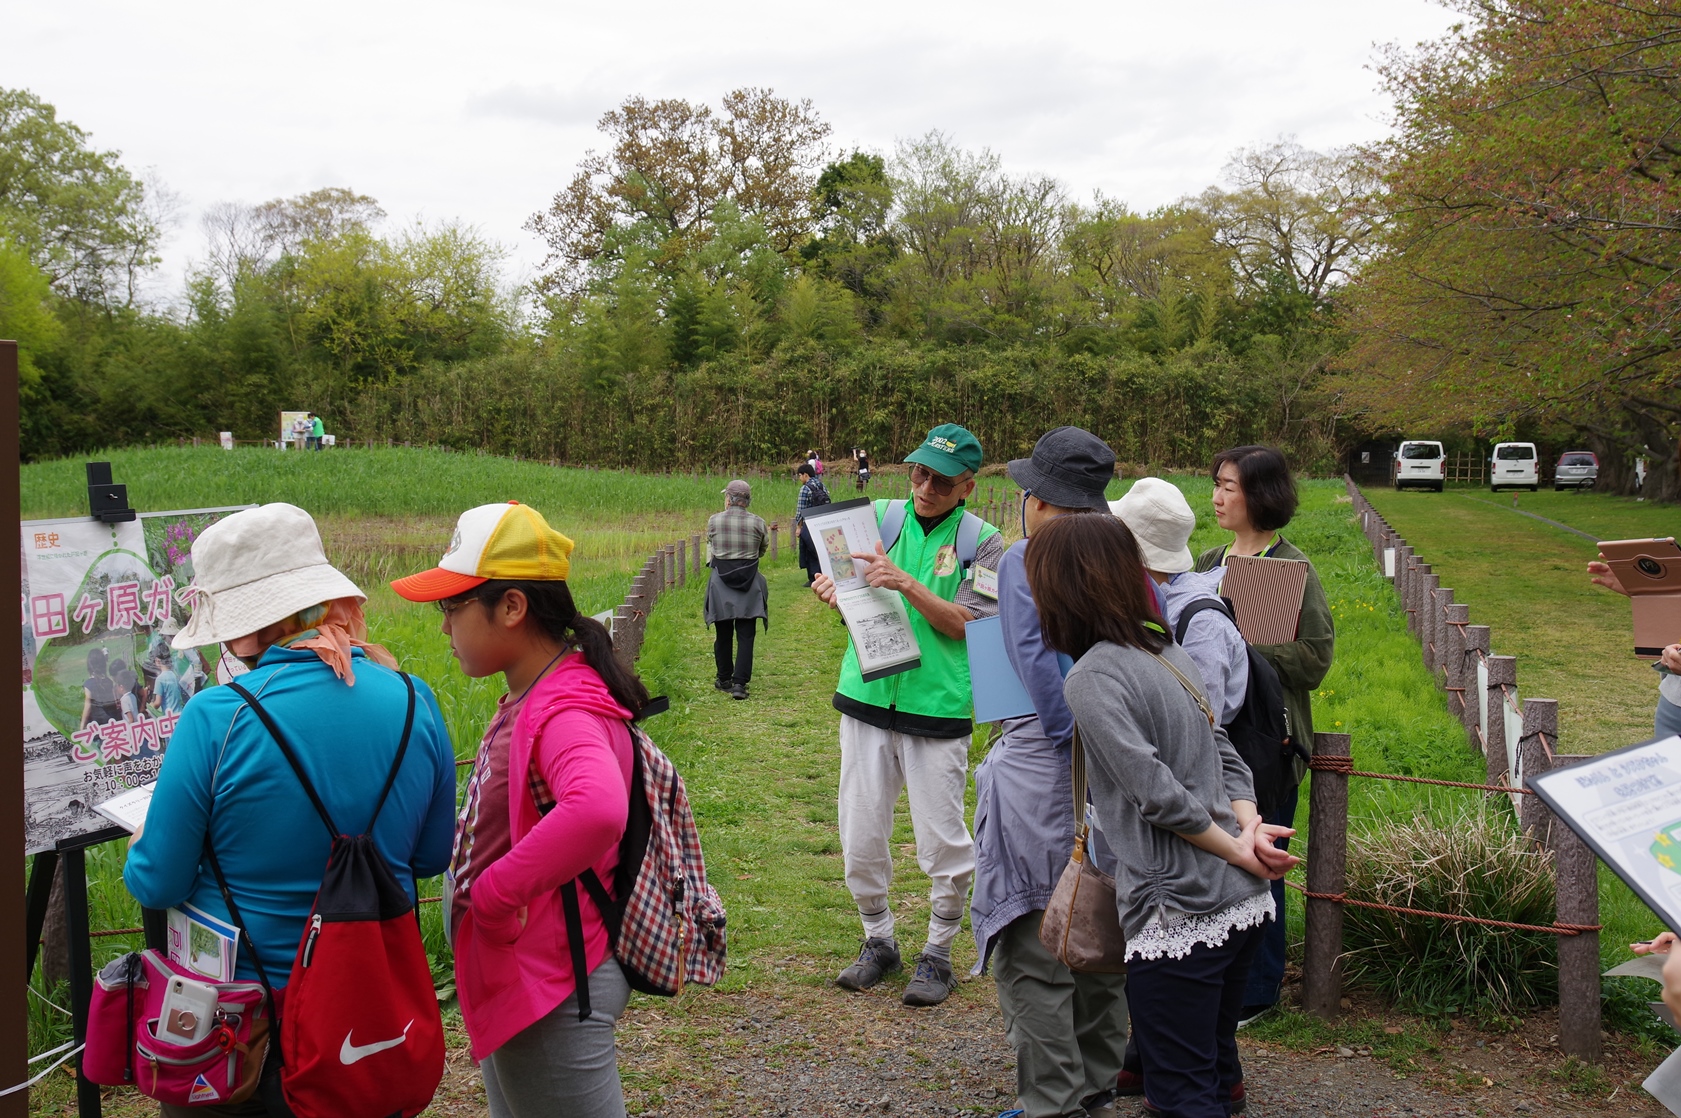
[(1259, 731)]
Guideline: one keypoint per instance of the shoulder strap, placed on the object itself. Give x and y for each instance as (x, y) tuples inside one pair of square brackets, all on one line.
[(1195, 608), (239, 922), (892, 523), (297, 767), (968, 538), (1194, 691)]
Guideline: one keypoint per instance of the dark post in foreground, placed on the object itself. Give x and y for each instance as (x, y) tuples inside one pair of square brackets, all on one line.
[(14, 1027), (1327, 863), (1577, 868)]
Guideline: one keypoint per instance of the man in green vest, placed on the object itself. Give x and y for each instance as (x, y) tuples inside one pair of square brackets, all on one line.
[(912, 730)]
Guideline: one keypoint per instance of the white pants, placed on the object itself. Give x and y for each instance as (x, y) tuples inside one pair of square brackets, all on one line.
[(875, 765)]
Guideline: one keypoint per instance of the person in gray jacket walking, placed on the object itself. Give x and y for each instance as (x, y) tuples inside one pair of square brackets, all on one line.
[(1174, 801), (736, 594), (1068, 1030)]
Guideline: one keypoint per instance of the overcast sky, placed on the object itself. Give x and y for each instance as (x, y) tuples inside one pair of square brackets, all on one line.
[(481, 111)]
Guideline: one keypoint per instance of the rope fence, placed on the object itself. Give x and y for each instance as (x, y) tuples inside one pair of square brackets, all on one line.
[(1517, 737)]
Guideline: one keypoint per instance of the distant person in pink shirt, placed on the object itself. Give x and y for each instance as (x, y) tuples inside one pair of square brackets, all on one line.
[(549, 798)]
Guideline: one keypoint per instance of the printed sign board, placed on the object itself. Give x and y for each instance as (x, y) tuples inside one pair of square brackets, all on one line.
[(294, 428), (102, 688), (1626, 805)]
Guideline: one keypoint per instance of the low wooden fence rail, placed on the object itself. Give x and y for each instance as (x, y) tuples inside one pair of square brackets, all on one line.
[(1517, 738)]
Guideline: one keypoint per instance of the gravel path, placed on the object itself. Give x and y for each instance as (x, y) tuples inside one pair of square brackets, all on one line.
[(819, 1052)]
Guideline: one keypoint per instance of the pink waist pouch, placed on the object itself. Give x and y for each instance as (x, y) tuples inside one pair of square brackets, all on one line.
[(126, 1043)]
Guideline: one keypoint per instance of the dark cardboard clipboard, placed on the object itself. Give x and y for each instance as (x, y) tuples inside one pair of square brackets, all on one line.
[(1670, 912)]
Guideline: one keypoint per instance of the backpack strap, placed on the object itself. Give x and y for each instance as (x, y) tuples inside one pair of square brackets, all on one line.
[(256, 959), (1195, 608), (892, 523), (968, 539), (611, 912), (968, 531), (1190, 688), (297, 767)]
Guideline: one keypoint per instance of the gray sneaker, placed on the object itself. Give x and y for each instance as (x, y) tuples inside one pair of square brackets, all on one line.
[(931, 984), (878, 957)]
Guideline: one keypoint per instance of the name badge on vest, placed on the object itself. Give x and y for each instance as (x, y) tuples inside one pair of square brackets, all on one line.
[(986, 582)]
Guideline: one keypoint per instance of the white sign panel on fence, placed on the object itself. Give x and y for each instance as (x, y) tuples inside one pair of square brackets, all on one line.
[(1482, 700), (1626, 805), (1514, 759), (1388, 562), (102, 688)]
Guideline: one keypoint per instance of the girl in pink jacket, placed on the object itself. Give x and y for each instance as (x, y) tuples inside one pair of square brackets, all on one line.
[(548, 798)]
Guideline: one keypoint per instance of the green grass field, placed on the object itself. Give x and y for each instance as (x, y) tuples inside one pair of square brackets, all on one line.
[(762, 773), (1526, 580)]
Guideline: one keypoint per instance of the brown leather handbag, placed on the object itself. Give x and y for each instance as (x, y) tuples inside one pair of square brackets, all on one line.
[(1080, 926)]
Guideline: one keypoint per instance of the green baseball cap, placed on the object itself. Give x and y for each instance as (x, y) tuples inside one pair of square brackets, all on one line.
[(948, 450)]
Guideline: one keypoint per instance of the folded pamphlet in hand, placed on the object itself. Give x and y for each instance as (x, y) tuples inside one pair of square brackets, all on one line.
[(876, 618), (128, 810)]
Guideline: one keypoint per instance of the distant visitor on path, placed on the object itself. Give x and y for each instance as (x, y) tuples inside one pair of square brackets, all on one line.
[(548, 800), (813, 494), (317, 431), (861, 458), (911, 731), (1068, 1030), (736, 594)]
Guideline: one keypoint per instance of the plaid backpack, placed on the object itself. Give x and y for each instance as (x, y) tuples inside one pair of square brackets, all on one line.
[(665, 923)]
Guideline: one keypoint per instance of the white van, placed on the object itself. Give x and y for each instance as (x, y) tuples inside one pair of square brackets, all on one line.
[(1420, 462), (1514, 466)]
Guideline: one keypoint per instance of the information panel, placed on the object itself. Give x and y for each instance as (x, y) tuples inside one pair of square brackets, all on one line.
[(102, 688)]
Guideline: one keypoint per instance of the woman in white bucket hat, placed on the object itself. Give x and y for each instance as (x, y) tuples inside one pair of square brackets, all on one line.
[(263, 589)]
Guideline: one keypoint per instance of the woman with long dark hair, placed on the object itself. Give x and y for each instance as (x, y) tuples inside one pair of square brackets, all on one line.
[(1175, 802), (549, 798)]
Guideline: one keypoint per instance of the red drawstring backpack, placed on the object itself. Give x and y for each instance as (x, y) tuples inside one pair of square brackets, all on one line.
[(360, 1033)]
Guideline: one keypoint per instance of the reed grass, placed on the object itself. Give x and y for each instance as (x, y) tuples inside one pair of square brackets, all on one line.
[(1470, 860)]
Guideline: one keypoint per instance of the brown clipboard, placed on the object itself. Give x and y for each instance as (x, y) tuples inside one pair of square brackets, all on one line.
[(1266, 595), (1650, 570)]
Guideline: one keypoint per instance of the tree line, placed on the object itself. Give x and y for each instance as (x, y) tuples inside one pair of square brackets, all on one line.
[(724, 283)]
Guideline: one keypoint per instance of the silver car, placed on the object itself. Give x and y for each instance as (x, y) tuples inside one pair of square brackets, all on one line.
[(1576, 468)]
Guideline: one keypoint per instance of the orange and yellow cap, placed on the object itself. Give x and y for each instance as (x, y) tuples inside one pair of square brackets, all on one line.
[(506, 541)]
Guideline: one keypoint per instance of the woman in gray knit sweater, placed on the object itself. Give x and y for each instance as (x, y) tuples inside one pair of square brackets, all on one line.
[(1174, 801)]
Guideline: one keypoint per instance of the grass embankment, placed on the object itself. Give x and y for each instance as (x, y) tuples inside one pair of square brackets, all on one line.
[(1526, 580)]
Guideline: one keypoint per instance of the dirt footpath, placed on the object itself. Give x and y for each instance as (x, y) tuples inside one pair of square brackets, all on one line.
[(819, 1052)]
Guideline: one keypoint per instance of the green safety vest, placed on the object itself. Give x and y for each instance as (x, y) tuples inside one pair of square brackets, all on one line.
[(939, 687)]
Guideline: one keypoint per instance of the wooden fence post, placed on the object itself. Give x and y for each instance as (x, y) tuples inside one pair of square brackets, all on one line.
[(1429, 613), (682, 562), (1577, 870), (694, 545), (1454, 617), (773, 529), (1406, 566), (1535, 756), (1327, 863), (622, 622), (671, 576), (1475, 650), (1502, 673)]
